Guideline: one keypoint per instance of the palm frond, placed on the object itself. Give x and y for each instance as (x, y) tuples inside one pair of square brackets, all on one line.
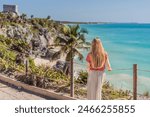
[(56, 45), (82, 43), (66, 30), (83, 47), (82, 37), (88, 43), (84, 31), (71, 41), (56, 55), (65, 49), (60, 40), (78, 53), (74, 29)]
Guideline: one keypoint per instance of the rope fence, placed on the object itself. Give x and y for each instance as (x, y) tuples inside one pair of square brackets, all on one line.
[(116, 69), (143, 70), (134, 70)]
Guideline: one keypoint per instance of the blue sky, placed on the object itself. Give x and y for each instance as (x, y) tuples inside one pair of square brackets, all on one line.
[(86, 10)]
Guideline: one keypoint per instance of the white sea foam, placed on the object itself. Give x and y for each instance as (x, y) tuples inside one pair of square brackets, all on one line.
[(134, 42)]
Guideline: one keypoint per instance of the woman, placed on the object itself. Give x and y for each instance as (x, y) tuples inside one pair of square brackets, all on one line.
[(97, 59)]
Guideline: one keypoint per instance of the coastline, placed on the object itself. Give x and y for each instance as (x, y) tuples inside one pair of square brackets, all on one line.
[(98, 22), (78, 22)]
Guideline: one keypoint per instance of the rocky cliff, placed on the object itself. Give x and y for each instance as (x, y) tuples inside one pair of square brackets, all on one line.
[(39, 33)]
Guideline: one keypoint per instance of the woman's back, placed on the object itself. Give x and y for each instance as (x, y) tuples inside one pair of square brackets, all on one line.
[(101, 67)]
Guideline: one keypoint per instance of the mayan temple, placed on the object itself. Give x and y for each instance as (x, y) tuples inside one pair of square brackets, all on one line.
[(10, 8)]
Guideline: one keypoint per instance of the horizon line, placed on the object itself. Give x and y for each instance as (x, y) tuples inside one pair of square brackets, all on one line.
[(90, 22)]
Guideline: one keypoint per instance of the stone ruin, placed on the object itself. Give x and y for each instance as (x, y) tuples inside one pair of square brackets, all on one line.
[(10, 8)]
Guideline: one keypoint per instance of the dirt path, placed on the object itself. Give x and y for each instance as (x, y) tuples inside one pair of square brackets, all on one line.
[(11, 93)]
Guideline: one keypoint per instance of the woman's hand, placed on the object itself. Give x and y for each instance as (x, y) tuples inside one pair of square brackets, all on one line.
[(109, 69), (108, 64)]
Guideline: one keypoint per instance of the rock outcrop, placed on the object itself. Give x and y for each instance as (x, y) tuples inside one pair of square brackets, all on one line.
[(38, 33)]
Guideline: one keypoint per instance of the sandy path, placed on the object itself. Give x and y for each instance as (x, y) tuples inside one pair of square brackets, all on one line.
[(9, 93), (40, 61)]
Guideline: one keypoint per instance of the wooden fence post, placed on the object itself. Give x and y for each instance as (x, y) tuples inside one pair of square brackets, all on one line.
[(134, 81), (71, 76), (26, 65)]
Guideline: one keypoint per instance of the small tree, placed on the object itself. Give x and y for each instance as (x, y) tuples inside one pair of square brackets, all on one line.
[(23, 16), (32, 16), (48, 17)]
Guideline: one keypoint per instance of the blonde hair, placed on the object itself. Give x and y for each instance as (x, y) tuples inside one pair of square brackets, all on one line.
[(97, 53)]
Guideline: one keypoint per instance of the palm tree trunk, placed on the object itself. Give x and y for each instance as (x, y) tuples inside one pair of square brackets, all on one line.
[(71, 76)]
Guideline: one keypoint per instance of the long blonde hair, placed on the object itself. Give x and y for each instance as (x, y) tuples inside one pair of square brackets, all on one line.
[(97, 53)]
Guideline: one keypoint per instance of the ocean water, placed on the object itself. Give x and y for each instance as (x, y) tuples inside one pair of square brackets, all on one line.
[(126, 44)]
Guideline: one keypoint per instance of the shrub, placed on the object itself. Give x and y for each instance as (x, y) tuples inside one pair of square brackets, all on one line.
[(82, 78), (146, 94)]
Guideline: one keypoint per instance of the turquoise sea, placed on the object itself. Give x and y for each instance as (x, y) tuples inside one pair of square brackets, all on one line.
[(126, 44)]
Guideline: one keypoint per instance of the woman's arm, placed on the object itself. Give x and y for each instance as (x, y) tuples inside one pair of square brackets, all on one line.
[(108, 64), (88, 67)]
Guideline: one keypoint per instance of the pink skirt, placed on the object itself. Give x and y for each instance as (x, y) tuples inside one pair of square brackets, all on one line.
[(94, 84)]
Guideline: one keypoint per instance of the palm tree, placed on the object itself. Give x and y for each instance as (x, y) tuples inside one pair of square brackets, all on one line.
[(70, 43), (48, 17), (23, 16)]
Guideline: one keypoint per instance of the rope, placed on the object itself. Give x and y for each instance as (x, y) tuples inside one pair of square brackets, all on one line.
[(112, 70), (121, 69), (143, 70)]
